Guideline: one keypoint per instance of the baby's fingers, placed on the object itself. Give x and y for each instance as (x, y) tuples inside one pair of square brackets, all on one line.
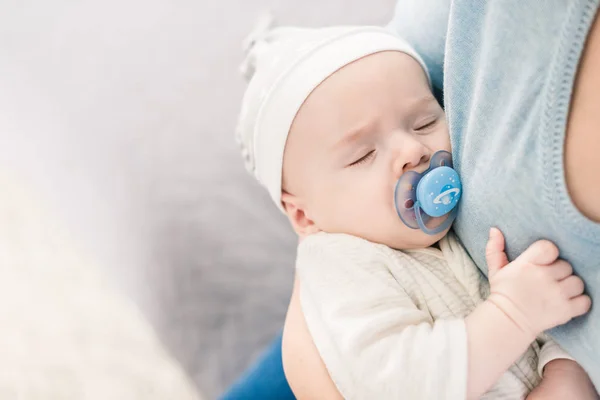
[(572, 286), (560, 270), (494, 252), (542, 252), (580, 305)]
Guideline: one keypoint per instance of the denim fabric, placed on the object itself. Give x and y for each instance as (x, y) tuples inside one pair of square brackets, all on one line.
[(264, 380)]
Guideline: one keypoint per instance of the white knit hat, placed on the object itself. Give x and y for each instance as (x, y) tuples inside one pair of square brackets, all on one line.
[(283, 66)]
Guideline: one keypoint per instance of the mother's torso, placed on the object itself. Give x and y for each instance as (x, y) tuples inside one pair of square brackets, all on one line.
[(508, 77)]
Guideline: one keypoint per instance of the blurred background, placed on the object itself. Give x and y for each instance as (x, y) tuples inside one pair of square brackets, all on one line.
[(121, 115)]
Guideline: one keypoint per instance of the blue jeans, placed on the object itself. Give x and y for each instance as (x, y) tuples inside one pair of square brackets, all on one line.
[(264, 380)]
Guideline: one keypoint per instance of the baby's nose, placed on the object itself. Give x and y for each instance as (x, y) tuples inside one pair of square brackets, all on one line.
[(415, 162), (415, 157)]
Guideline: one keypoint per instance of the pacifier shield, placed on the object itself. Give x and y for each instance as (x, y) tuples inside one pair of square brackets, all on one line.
[(438, 192), (420, 198), (405, 198), (439, 159)]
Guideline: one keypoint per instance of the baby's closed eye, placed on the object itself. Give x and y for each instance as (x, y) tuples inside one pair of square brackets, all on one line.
[(364, 158)]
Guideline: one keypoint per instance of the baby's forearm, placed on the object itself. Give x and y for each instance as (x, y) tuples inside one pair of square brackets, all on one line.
[(494, 343)]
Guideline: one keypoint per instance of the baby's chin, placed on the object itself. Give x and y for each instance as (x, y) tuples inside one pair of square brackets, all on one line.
[(408, 238)]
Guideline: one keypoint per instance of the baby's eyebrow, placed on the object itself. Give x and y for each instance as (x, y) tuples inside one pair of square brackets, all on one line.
[(423, 101), (356, 133)]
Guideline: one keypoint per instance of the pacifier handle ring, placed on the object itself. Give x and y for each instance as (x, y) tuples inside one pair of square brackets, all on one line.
[(445, 225)]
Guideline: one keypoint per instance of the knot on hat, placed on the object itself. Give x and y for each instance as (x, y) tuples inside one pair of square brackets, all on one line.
[(255, 43)]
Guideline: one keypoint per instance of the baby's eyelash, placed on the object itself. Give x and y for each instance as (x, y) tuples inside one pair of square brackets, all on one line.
[(364, 159), (427, 125)]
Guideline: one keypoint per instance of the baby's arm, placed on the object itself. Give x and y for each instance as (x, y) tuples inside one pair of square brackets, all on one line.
[(536, 291), (377, 344)]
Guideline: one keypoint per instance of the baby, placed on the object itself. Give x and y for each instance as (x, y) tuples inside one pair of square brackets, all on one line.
[(332, 122)]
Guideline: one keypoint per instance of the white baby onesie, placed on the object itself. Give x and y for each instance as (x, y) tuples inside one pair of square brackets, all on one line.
[(389, 324)]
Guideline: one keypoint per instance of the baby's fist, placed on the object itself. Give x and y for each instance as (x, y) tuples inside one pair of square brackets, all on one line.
[(537, 290)]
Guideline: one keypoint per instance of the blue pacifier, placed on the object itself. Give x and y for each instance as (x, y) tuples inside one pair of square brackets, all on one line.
[(422, 197)]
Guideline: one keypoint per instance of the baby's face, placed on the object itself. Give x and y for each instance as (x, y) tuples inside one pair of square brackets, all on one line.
[(353, 137)]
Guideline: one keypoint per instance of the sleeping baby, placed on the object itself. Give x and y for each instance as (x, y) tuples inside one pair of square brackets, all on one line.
[(341, 127)]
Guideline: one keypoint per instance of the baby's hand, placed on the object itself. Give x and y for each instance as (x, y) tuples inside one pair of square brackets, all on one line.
[(537, 290)]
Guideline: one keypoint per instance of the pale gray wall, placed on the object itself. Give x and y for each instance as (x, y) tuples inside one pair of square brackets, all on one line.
[(121, 113)]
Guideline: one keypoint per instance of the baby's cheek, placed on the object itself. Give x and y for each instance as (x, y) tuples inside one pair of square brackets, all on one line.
[(444, 139), (382, 208), (362, 205), (348, 210)]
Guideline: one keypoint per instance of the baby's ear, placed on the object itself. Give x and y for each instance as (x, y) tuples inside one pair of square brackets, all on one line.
[(296, 212)]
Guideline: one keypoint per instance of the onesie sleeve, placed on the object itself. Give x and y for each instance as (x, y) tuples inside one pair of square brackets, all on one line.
[(549, 350)]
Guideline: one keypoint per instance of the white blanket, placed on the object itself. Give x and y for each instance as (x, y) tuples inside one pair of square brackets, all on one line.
[(64, 332)]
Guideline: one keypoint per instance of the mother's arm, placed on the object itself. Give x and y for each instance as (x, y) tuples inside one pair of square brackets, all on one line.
[(304, 369)]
